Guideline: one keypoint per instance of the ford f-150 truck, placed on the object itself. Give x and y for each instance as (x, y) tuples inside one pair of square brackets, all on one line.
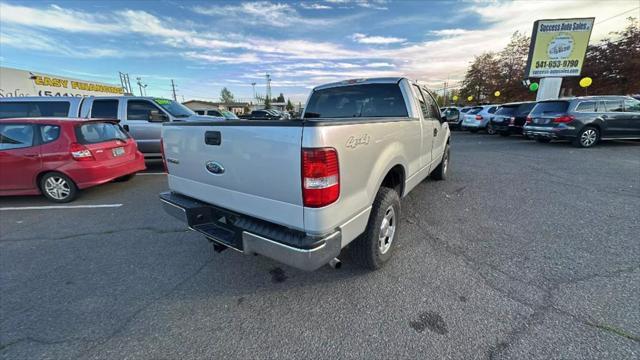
[(300, 191)]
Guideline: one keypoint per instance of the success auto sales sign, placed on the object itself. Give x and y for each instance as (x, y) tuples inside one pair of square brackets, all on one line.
[(558, 47)]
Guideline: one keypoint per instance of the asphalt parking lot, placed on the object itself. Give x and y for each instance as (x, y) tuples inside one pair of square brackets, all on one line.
[(527, 251)]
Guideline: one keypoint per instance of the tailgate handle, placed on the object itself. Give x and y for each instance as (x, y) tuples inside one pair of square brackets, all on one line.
[(212, 138)]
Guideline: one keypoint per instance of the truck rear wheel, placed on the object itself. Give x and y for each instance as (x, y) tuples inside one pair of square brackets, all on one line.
[(440, 172), (374, 247)]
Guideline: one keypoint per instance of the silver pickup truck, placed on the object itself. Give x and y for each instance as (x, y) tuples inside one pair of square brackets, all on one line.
[(300, 191)]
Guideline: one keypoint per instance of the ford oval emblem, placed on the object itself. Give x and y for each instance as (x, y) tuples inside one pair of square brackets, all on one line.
[(214, 167)]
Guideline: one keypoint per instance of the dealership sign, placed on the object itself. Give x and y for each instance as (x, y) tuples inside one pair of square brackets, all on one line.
[(15, 82), (558, 47)]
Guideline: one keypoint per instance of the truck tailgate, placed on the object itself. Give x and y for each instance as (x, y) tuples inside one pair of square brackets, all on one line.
[(247, 168)]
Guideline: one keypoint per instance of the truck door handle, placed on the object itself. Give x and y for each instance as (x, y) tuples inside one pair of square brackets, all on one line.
[(126, 128), (212, 138), (435, 131)]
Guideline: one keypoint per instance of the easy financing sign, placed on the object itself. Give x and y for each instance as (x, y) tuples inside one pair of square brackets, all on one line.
[(15, 82), (558, 47)]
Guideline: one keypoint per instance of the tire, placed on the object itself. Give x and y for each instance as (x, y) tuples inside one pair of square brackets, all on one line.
[(473, 130), (490, 129), (58, 187), (543, 140), (371, 250), (587, 137), (440, 173), (125, 178), (504, 133)]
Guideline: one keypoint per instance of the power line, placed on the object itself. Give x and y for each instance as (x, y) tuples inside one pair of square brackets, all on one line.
[(615, 16)]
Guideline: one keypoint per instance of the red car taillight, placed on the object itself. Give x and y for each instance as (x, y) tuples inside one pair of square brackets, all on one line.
[(80, 152), (529, 120), (164, 159), (320, 177), (564, 119), (478, 117)]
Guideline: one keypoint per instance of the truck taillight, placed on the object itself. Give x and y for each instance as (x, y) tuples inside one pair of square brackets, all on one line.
[(164, 159), (564, 119), (478, 117), (320, 177), (80, 153)]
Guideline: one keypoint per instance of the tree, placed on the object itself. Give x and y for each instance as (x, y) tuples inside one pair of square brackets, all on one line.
[(280, 98), (513, 61), (482, 77), (226, 96), (267, 103), (289, 105)]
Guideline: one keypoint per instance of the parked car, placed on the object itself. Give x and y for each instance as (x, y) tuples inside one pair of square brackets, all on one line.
[(142, 117), (299, 191), (265, 114), (454, 115), (585, 120), (510, 118), (58, 157), (226, 114), (478, 117)]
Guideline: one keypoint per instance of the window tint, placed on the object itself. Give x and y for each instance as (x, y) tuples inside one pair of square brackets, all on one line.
[(507, 110), (525, 109), (631, 105), (140, 110), (550, 107), (586, 106), (49, 133), (229, 115), (433, 105), (15, 136), (199, 112), (174, 108), (613, 105), (366, 100), (451, 112), (213, 113), (474, 110), (492, 109), (34, 109), (465, 110), (96, 132), (104, 109), (424, 108)]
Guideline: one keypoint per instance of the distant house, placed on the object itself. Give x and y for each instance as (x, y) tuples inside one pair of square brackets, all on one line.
[(237, 108)]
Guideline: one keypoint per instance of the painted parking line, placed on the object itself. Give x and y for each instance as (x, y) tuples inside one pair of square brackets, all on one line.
[(55, 207)]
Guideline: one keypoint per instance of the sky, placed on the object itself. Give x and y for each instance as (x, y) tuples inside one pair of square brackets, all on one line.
[(206, 45)]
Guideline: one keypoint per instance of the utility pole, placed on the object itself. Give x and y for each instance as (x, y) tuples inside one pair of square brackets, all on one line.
[(141, 85), (445, 94), (253, 85), (173, 88), (268, 85)]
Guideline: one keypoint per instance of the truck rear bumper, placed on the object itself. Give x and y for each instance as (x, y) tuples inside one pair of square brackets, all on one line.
[(253, 236)]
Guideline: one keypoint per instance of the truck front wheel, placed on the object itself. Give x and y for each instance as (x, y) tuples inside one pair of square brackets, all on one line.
[(374, 247)]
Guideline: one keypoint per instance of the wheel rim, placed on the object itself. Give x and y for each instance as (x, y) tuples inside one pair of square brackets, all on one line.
[(588, 137), (387, 230), (490, 130), (57, 187)]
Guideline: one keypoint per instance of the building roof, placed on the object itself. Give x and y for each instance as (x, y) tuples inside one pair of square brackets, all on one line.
[(216, 103)]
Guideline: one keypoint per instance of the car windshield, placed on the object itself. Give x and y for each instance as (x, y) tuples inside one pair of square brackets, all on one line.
[(229, 115), (366, 100), (97, 132), (507, 110), (550, 107), (474, 110), (174, 108)]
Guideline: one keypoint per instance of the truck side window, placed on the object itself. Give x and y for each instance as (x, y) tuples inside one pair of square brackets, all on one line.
[(104, 109), (426, 112), (632, 105), (140, 110), (433, 105)]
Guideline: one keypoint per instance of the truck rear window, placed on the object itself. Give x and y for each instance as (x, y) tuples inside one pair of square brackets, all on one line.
[(97, 132), (30, 109), (550, 107), (353, 101)]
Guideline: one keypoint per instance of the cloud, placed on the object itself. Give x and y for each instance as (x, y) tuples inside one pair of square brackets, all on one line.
[(449, 32), (376, 40), (315, 6), (370, 4), (55, 17), (260, 13)]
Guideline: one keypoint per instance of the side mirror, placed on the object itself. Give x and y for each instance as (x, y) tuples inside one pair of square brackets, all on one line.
[(157, 116), (443, 118)]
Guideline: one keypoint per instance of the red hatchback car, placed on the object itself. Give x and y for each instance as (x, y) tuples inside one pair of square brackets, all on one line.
[(57, 157)]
